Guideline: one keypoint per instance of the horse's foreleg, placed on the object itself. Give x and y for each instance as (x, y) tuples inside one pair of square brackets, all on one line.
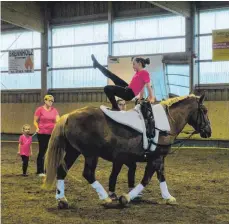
[(117, 166), (163, 186), (70, 157), (89, 174), (131, 177), (149, 171)]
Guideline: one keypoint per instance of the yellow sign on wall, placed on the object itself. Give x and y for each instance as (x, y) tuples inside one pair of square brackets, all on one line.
[(220, 45)]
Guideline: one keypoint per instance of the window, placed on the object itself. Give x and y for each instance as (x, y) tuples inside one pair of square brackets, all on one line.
[(178, 79), (212, 72), (213, 20), (21, 80), (71, 55), (150, 47), (19, 40), (149, 35), (76, 78)]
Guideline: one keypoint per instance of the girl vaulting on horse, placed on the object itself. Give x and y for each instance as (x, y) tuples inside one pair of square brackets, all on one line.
[(121, 89)]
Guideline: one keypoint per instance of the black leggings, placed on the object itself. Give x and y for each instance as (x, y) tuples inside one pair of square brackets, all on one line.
[(120, 89), (25, 162), (43, 141)]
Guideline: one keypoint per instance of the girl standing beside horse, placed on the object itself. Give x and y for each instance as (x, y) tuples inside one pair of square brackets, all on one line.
[(25, 148)]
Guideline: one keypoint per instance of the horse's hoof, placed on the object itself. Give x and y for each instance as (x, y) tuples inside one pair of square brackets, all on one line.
[(171, 201), (124, 199), (63, 204), (137, 198), (106, 201), (113, 197), (43, 180)]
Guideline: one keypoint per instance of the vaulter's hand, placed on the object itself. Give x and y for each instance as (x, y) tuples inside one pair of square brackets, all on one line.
[(151, 99)]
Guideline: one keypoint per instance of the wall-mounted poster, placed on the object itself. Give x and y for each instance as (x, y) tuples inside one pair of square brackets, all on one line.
[(21, 61), (220, 45)]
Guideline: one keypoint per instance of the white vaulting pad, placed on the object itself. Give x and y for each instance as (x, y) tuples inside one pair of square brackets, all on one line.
[(134, 119), (129, 118), (160, 117)]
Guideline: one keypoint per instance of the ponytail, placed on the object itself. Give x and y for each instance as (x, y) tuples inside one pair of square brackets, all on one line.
[(147, 61), (143, 61)]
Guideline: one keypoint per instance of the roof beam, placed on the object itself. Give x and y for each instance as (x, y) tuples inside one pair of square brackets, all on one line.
[(23, 14), (181, 8)]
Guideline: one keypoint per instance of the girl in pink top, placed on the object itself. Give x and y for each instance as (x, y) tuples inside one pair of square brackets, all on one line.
[(25, 148), (45, 118), (121, 88)]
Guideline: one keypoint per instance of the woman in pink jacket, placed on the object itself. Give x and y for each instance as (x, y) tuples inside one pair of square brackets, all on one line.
[(45, 118)]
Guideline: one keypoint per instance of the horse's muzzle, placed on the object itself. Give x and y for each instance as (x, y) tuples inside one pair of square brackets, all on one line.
[(206, 132)]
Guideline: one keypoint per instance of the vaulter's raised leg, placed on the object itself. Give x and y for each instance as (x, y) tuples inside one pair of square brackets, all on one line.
[(70, 157), (89, 174), (117, 81)]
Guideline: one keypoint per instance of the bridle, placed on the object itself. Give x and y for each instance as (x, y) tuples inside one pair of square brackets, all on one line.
[(203, 122)]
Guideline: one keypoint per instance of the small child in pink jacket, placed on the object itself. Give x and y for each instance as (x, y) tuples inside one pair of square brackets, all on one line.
[(25, 148)]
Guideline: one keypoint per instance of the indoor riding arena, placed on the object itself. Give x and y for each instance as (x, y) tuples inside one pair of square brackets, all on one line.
[(70, 58)]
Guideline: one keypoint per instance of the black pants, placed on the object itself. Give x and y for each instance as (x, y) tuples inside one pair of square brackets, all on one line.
[(120, 89), (25, 162), (43, 141)]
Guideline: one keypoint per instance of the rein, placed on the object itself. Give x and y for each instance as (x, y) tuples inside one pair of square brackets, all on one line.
[(174, 143)]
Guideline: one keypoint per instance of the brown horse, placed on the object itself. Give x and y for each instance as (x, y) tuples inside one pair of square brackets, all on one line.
[(89, 132)]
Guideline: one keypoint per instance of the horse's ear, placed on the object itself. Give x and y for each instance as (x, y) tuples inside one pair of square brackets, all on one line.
[(202, 98)]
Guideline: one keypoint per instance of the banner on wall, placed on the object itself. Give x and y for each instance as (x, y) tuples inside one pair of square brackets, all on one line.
[(220, 45), (21, 61)]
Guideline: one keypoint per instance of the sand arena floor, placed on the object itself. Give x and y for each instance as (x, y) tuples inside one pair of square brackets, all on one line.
[(198, 178)]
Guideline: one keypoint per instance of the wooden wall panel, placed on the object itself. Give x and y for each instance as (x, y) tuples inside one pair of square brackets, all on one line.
[(216, 92), (14, 115), (60, 95)]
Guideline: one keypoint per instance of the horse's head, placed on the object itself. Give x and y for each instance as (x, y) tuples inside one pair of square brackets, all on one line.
[(199, 119)]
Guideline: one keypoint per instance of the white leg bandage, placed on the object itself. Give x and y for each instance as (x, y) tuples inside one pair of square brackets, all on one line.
[(134, 193), (60, 189), (164, 190), (100, 190)]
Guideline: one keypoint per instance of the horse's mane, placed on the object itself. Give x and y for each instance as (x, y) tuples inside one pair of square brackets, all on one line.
[(175, 100)]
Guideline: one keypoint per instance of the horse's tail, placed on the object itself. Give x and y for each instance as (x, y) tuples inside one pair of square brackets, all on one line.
[(55, 153)]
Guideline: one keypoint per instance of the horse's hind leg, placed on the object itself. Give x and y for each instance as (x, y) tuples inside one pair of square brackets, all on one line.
[(70, 157), (89, 174), (163, 186), (117, 166)]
